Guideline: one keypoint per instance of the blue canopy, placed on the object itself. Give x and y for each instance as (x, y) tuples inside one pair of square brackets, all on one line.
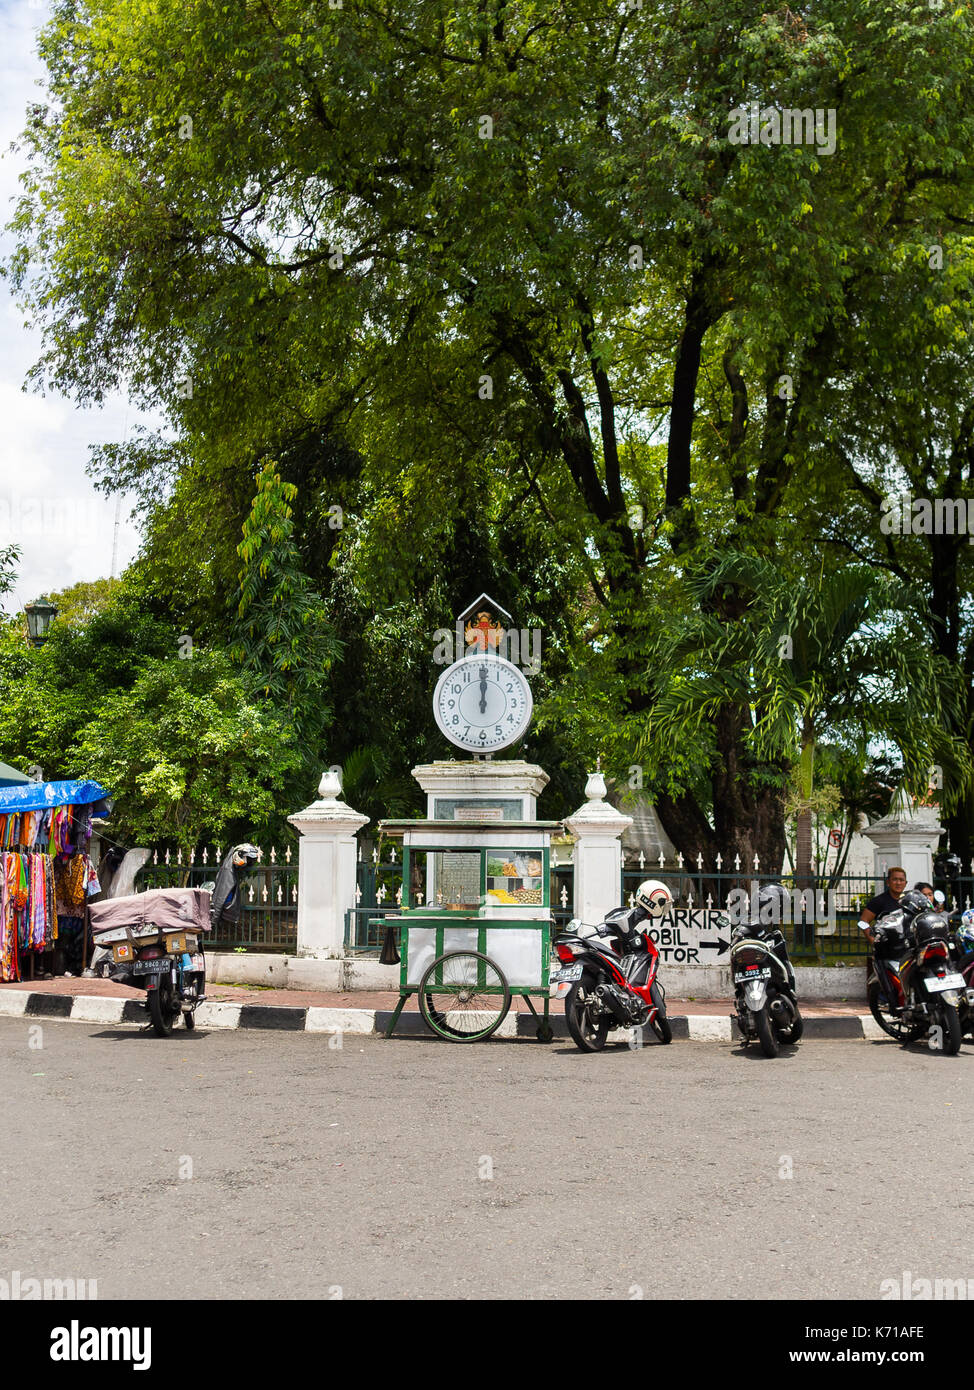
[(38, 796)]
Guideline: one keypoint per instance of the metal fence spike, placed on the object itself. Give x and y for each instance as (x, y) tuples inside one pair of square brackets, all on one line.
[(179, 854), (699, 861), (679, 860), (737, 862), (273, 855), (204, 854), (280, 895), (642, 860), (287, 855), (662, 859), (358, 893), (393, 851), (756, 863), (719, 860)]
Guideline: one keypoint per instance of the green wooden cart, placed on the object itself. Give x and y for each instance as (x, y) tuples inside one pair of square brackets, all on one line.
[(475, 929)]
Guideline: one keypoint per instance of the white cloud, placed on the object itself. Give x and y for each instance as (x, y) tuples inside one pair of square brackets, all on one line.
[(48, 505)]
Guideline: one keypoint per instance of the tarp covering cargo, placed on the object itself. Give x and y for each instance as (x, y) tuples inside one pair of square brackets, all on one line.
[(38, 796), (186, 908)]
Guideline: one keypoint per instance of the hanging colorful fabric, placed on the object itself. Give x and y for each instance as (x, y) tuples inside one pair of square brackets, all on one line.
[(9, 964)]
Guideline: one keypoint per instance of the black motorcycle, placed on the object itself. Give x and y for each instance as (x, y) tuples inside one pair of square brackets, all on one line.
[(764, 988), (607, 986), (152, 940), (912, 984)]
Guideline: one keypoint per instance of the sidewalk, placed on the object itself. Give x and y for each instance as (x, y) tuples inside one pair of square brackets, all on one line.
[(369, 1013), (386, 1000)]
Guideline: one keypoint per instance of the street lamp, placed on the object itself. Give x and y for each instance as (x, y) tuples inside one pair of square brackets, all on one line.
[(40, 615)]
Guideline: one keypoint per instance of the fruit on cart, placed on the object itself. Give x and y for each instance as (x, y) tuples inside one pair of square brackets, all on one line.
[(501, 895), (510, 870), (527, 895)]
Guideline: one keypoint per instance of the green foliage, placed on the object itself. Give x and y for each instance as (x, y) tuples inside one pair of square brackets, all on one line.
[(185, 753), (9, 555), (198, 262), (175, 738), (281, 636)]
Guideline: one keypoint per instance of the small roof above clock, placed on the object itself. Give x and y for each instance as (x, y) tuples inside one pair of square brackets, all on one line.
[(479, 604)]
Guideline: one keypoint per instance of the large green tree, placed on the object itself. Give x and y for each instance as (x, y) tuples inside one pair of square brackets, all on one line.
[(509, 244)]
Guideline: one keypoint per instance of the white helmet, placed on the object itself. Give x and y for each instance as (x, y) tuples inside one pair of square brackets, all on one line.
[(655, 897)]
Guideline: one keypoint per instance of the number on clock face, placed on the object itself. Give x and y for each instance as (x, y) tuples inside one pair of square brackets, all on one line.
[(483, 703)]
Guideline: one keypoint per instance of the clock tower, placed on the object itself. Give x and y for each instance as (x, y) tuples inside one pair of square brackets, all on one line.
[(482, 704)]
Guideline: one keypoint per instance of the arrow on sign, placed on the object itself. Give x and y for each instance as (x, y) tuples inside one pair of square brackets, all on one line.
[(720, 945)]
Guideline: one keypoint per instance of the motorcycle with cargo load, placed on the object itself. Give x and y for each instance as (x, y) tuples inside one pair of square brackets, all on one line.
[(154, 940)]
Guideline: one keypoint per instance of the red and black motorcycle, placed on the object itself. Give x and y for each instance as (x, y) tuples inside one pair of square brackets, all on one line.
[(912, 985), (610, 986)]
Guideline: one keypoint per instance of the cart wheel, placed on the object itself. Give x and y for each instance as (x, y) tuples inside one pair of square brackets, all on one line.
[(464, 996), (546, 1033)]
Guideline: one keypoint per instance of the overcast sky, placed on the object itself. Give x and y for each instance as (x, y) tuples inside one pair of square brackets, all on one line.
[(47, 503)]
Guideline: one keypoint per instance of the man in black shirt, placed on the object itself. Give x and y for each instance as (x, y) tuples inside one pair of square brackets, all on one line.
[(887, 901)]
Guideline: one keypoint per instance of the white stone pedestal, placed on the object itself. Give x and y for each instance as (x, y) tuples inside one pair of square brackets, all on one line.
[(597, 829), (907, 837), (509, 784), (327, 867)]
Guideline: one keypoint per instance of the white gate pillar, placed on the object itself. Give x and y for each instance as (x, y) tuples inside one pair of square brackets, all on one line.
[(597, 830), (907, 837), (327, 867)]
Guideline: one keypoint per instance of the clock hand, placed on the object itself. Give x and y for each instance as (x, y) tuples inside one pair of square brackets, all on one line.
[(483, 690)]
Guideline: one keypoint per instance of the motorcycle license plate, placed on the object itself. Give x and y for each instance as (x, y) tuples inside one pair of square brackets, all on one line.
[(935, 985), (151, 967), (757, 972), (571, 972)]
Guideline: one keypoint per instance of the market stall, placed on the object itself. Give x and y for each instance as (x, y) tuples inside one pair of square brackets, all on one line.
[(46, 876), (475, 929)]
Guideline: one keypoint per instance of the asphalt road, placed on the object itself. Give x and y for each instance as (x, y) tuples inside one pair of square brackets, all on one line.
[(419, 1169)]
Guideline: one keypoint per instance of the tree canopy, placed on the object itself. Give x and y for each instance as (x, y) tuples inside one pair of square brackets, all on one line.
[(494, 281)]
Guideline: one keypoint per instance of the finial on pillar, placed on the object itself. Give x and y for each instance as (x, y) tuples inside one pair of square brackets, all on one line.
[(595, 786), (330, 786)]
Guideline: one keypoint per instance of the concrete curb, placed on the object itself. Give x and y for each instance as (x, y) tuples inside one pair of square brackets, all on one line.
[(93, 1008)]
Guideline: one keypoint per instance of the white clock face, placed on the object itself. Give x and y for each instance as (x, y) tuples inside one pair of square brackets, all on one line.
[(482, 703)]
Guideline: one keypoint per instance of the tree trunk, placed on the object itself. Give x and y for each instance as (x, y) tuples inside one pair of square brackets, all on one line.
[(748, 817)]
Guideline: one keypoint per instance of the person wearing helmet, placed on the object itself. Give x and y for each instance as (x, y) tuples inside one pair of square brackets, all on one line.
[(652, 900), (770, 908), (964, 936)]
